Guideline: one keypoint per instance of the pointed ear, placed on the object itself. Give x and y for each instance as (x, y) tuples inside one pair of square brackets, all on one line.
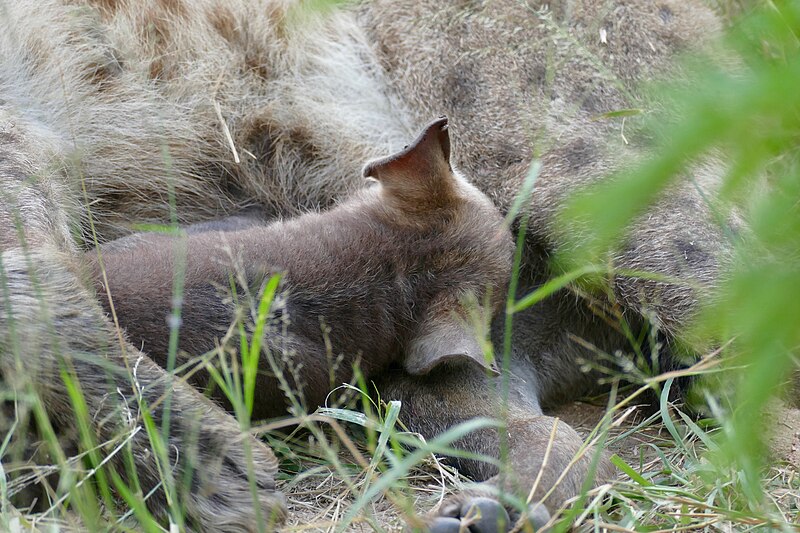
[(443, 339), (420, 176)]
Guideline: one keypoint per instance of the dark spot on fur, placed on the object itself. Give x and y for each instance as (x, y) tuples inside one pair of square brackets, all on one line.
[(595, 95), (470, 5), (507, 155), (155, 31), (277, 13), (103, 74), (215, 499), (591, 103), (156, 70), (228, 27), (665, 14), (693, 254), (233, 467), (174, 7), (257, 138), (597, 100), (7, 137), (462, 82), (107, 7), (257, 64), (579, 153), (36, 52), (268, 141), (223, 21), (534, 76)]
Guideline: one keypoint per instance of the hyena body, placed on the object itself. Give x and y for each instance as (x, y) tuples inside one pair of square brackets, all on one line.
[(111, 109), (384, 278)]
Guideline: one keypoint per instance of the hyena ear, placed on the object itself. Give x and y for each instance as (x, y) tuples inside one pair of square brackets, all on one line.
[(444, 339), (420, 176)]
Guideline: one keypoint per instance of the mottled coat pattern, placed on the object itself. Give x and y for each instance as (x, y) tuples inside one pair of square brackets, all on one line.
[(114, 111)]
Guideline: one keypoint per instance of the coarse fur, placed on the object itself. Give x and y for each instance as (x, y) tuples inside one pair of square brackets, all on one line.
[(401, 263), (111, 109)]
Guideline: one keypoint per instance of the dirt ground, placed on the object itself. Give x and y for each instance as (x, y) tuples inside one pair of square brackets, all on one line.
[(785, 444), (319, 498), (317, 502)]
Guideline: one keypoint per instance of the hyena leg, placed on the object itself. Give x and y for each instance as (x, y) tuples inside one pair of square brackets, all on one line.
[(50, 323), (49, 313), (451, 395)]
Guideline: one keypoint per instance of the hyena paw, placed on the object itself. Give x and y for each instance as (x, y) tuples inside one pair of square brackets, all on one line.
[(222, 496), (479, 513)]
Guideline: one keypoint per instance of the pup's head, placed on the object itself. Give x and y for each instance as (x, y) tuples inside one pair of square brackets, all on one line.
[(462, 246)]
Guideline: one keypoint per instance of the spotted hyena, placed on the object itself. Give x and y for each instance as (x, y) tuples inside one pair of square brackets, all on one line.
[(115, 112)]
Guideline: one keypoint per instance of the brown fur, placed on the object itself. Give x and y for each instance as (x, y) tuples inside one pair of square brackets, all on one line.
[(376, 264), (132, 103)]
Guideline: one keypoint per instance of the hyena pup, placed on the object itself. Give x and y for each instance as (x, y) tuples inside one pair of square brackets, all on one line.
[(383, 278)]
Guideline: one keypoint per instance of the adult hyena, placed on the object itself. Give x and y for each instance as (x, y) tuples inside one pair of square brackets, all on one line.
[(109, 109)]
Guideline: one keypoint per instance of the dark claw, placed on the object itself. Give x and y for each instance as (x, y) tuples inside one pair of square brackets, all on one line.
[(538, 516), (484, 515), (479, 514), (444, 524)]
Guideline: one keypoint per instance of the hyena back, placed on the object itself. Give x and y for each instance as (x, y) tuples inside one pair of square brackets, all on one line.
[(112, 110)]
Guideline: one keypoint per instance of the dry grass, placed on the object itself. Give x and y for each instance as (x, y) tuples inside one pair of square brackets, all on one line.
[(676, 501), (671, 486)]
